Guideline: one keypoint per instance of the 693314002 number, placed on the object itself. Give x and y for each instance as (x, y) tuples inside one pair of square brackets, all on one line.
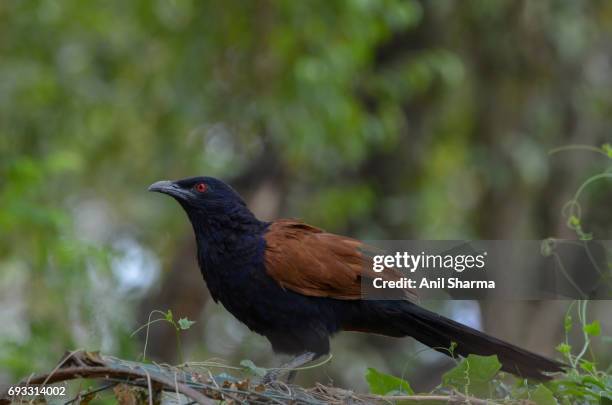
[(34, 391)]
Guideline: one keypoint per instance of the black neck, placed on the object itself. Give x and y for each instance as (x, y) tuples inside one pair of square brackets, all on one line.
[(228, 227)]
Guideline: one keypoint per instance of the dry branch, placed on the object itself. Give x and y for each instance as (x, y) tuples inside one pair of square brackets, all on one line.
[(197, 385)]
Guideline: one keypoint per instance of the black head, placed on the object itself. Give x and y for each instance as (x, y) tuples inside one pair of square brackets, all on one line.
[(220, 218), (203, 193), (208, 202)]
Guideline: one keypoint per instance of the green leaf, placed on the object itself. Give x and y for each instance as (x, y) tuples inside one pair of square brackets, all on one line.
[(564, 348), (543, 396), (384, 384), (451, 349), (573, 221), (587, 366), (590, 380), (593, 328), (250, 367), (185, 323), (607, 149), (474, 375), (168, 316), (567, 323)]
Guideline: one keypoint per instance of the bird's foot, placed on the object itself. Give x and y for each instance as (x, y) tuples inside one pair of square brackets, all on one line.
[(289, 368), (271, 376)]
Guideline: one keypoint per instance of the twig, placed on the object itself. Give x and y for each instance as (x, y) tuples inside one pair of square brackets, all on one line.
[(149, 387), (90, 392), (70, 373)]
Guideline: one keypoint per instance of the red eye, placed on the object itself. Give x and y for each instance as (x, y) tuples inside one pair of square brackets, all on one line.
[(201, 187)]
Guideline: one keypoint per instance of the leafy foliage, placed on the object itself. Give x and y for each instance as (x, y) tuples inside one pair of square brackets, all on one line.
[(473, 375), (182, 324), (480, 377), (385, 384)]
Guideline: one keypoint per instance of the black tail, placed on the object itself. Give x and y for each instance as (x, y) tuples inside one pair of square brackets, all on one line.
[(439, 333)]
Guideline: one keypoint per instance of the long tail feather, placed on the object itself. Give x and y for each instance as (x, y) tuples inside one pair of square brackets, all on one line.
[(439, 333)]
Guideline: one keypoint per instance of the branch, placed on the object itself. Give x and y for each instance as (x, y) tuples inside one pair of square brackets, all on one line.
[(188, 381), (82, 364), (71, 373)]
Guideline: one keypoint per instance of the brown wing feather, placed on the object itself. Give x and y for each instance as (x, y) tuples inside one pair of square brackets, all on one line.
[(310, 261)]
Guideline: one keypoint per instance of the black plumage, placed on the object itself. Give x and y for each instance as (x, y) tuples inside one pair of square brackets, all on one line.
[(298, 285)]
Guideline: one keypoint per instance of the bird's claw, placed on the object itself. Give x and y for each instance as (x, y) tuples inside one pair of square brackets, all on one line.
[(271, 376)]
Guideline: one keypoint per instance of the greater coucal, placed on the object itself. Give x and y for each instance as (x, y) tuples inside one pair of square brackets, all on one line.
[(297, 285)]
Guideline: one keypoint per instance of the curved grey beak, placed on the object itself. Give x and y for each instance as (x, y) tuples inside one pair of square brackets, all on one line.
[(161, 186), (168, 187)]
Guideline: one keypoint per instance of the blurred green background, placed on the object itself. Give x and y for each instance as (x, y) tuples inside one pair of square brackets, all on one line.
[(376, 119)]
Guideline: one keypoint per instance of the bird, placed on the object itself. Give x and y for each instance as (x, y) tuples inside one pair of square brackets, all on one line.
[(298, 285)]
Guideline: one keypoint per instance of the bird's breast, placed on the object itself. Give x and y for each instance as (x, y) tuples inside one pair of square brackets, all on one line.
[(244, 288)]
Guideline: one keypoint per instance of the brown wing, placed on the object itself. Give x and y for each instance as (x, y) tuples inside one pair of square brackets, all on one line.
[(309, 261)]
